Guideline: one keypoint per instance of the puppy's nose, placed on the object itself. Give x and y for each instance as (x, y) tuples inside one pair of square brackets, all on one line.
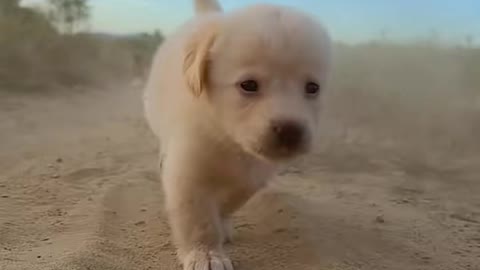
[(288, 134)]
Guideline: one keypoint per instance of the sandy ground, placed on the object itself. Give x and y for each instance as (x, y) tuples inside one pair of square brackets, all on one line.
[(79, 190)]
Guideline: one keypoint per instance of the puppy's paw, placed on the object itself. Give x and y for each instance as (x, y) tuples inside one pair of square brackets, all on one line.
[(211, 260)]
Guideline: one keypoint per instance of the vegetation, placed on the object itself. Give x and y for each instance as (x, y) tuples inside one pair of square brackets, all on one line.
[(40, 50), (68, 15)]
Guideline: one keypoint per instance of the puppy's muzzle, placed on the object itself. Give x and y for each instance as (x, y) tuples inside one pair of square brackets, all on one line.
[(288, 135), (285, 139)]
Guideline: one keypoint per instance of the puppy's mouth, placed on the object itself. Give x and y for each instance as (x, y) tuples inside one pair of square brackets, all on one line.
[(274, 152), (281, 154)]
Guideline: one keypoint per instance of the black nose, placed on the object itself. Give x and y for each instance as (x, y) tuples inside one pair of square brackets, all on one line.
[(288, 134)]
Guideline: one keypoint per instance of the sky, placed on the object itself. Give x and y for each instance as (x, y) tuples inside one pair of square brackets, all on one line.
[(350, 21)]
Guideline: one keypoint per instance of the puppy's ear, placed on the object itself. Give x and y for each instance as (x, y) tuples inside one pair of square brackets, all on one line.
[(195, 63)]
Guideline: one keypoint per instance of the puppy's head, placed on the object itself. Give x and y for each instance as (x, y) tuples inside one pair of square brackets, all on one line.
[(262, 71)]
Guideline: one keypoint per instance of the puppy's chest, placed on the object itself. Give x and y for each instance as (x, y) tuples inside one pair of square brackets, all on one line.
[(239, 181), (243, 173)]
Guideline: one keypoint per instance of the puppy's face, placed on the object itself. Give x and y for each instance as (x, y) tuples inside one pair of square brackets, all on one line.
[(264, 74)]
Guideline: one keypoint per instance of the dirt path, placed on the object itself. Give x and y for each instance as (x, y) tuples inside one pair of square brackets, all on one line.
[(79, 190)]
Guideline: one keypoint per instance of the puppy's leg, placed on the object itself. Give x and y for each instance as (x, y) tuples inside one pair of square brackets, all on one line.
[(195, 220), (227, 229), (160, 160), (197, 230)]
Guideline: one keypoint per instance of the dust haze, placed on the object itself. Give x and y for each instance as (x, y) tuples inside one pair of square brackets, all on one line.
[(394, 183)]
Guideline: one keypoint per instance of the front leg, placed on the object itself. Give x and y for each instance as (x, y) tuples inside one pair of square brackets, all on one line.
[(227, 230), (195, 221)]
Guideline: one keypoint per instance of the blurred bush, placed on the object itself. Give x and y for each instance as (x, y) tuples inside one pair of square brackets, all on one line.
[(34, 55)]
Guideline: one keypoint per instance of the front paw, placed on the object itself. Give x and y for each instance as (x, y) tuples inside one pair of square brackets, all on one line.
[(207, 260)]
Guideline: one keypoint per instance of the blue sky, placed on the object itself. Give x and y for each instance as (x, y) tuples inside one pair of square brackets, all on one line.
[(347, 20)]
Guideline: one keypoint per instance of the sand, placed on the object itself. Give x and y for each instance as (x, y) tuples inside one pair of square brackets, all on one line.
[(79, 190)]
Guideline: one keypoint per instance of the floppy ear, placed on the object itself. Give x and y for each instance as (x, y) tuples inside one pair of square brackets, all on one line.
[(195, 62)]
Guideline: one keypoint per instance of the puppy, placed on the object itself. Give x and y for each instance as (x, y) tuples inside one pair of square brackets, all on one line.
[(231, 96)]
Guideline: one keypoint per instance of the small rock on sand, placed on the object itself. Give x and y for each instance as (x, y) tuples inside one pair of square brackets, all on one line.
[(140, 223), (380, 219)]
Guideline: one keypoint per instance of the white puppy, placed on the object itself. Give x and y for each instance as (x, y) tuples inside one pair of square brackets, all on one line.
[(230, 97)]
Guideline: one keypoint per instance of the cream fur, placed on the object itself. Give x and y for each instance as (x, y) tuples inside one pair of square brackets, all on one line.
[(215, 142)]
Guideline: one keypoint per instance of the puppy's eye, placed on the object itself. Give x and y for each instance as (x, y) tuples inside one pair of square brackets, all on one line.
[(312, 88), (249, 86)]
